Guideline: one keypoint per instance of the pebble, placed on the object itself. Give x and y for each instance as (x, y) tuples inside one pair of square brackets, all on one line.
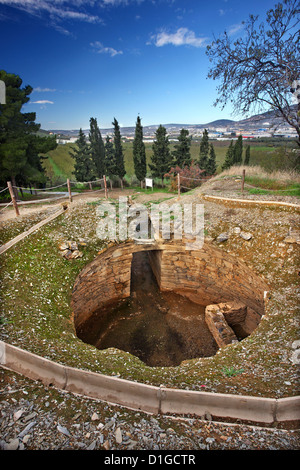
[(54, 426)]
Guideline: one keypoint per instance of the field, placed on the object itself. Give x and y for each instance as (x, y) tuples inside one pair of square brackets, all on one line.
[(60, 165)]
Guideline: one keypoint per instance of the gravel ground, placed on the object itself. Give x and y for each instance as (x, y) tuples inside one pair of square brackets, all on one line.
[(34, 417)]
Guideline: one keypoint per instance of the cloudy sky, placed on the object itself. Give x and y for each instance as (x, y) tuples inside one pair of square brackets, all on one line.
[(118, 58)]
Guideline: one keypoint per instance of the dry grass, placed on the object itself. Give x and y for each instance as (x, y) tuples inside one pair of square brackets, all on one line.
[(284, 176)]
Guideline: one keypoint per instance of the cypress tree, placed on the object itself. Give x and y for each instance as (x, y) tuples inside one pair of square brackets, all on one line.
[(161, 161), (247, 155), (211, 164), (139, 152), (182, 154), (110, 159), (238, 151), (84, 168), (97, 148), (229, 157), (119, 156), (204, 150)]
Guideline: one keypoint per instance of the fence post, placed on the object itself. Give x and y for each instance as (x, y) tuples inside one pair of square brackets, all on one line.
[(105, 186), (12, 195), (243, 180), (69, 190), (178, 184)]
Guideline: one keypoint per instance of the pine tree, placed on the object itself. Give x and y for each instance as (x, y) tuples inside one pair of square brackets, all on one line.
[(211, 164), (161, 158), (120, 166), (110, 159), (204, 149), (139, 152), (20, 145), (247, 155), (238, 151), (182, 154), (229, 157), (97, 148), (84, 168)]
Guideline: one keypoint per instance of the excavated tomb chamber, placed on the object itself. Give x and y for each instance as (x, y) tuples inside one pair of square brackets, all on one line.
[(165, 304)]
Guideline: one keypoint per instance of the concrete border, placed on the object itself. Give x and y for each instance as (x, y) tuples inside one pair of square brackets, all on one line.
[(251, 201), (148, 398)]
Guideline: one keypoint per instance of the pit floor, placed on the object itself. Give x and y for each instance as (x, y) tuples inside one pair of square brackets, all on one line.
[(161, 328)]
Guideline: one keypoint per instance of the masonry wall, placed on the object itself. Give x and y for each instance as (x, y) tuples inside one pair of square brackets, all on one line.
[(205, 276)]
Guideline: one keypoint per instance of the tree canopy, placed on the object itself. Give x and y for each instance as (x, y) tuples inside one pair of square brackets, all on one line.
[(139, 152), (261, 69), (182, 152), (97, 148), (20, 144), (161, 161)]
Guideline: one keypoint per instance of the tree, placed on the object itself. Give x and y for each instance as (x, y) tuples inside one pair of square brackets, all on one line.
[(238, 151), (211, 164), (110, 159), (84, 168), (19, 143), (182, 153), (229, 157), (247, 155), (261, 69), (119, 156), (204, 150), (97, 148), (161, 161), (139, 152)]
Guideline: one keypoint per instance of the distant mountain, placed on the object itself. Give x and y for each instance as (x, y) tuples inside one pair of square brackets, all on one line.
[(256, 121)]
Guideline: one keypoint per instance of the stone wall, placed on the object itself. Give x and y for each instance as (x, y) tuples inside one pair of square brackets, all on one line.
[(206, 276)]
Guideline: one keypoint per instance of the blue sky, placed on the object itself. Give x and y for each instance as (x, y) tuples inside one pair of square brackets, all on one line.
[(118, 58)]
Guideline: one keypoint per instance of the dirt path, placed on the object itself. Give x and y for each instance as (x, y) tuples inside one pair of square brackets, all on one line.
[(30, 209)]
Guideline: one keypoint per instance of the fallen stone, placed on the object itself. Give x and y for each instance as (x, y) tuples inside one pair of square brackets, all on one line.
[(118, 435), (222, 237), (246, 235), (12, 445)]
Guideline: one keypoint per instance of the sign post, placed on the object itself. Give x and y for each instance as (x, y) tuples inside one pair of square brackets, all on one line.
[(149, 183)]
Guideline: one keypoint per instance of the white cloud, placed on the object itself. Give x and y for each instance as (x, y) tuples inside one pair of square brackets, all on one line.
[(235, 28), (100, 49), (57, 9), (38, 89), (182, 37), (43, 102)]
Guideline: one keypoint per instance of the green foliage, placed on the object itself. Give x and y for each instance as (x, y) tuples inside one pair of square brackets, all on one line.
[(161, 161), (84, 168), (182, 153), (231, 371), (247, 155), (139, 152), (238, 151), (229, 158), (20, 145), (97, 148), (110, 158), (211, 164), (204, 150), (120, 166)]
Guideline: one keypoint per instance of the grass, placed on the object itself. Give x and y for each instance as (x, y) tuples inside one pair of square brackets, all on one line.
[(36, 289), (60, 165)]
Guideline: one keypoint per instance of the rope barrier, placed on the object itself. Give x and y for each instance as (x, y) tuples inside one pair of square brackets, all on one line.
[(40, 189), (6, 206), (5, 189)]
